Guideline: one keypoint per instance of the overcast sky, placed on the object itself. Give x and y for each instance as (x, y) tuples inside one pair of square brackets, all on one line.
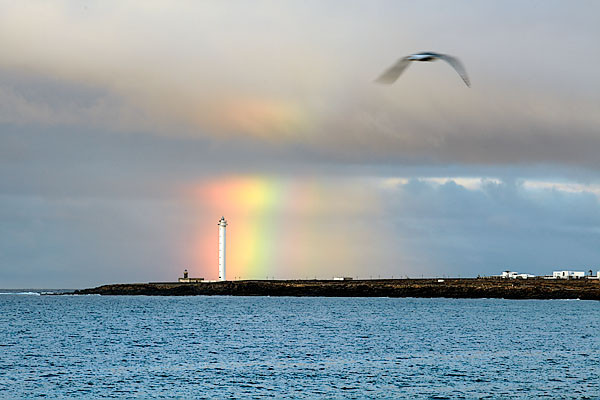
[(128, 128)]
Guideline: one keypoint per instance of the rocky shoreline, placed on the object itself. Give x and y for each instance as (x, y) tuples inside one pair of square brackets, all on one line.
[(584, 289)]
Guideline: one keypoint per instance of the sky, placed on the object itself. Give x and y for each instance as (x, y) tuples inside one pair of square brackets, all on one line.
[(127, 129)]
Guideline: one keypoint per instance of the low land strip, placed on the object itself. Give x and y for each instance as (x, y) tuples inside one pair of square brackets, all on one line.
[(584, 289)]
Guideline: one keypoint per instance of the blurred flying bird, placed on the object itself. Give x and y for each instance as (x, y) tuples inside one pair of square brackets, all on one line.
[(392, 73)]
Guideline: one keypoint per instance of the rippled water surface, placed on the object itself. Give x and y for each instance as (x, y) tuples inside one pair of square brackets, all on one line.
[(253, 347)]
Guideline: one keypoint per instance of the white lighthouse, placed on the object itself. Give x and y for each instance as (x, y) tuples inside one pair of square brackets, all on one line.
[(222, 226)]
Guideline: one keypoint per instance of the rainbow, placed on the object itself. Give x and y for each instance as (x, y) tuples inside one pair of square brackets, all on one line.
[(279, 228)]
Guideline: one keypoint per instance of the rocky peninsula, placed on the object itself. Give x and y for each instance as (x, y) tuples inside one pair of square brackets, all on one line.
[(584, 289)]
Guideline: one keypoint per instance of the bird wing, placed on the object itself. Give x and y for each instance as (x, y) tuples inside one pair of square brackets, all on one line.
[(457, 65), (392, 73)]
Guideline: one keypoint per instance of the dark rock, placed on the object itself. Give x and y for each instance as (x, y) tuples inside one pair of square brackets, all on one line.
[(584, 289)]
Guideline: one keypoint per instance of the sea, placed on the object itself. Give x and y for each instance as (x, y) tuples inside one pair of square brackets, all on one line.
[(223, 347)]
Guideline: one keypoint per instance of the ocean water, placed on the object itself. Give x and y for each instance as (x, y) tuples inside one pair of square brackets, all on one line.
[(263, 347)]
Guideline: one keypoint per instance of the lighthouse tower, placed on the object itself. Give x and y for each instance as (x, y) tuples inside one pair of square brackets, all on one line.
[(222, 226)]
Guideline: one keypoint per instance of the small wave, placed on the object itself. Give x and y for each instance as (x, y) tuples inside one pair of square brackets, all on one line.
[(22, 293), (88, 294)]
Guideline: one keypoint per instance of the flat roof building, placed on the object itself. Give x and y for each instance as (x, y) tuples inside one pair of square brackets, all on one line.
[(515, 275), (568, 274)]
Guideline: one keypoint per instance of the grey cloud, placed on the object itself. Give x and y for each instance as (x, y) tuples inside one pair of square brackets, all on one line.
[(532, 100), (69, 242), (88, 162), (455, 231)]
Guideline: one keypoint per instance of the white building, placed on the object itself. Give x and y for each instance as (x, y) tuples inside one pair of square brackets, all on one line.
[(525, 276), (222, 226), (568, 274), (515, 275)]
